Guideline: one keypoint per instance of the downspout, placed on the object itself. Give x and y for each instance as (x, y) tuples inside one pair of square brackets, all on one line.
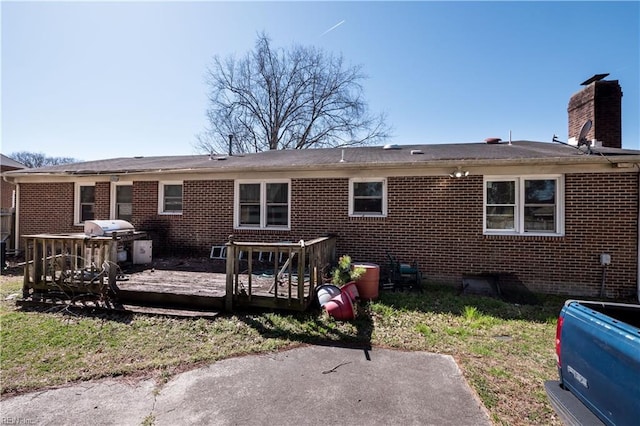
[(638, 239), (16, 224)]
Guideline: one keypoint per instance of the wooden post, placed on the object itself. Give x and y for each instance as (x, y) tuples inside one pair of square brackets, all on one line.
[(113, 262), (250, 270), (42, 261), (302, 260), (27, 266), (231, 259)]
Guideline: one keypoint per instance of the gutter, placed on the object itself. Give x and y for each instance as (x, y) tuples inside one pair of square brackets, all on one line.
[(619, 160)]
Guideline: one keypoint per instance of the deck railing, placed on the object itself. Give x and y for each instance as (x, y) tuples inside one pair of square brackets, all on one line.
[(295, 270), (71, 264)]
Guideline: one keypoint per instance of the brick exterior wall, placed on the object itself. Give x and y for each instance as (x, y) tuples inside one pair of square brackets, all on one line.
[(46, 208), (102, 200), (434, 220), (601, 102)]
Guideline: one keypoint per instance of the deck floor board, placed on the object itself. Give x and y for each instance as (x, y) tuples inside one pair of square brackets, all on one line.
[(196, 283)]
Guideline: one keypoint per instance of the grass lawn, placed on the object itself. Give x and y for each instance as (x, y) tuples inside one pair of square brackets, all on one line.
[(504, 350)]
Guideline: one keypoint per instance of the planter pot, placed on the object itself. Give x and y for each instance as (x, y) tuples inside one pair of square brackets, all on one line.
[(351, 290), (369, 282), (340, 308), (326, 292)]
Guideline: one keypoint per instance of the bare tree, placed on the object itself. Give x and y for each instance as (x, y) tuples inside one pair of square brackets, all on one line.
[(38, 159), (287, 99)]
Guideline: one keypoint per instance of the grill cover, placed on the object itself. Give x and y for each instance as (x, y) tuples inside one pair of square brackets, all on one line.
[(100, 228)]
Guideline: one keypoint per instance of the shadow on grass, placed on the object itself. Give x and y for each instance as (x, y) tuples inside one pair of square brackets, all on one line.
[(79, 311), (314, 327)]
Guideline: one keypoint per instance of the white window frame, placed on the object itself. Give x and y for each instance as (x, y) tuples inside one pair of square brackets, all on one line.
[(161, 186), (520, 204), (263, 204), (113, 193), (76, 201), (353, 213)]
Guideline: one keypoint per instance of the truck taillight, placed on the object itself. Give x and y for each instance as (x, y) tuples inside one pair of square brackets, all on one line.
[(558, 334)]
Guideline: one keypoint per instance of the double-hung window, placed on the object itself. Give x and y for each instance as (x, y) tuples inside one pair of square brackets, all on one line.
[(85, 196), (262, 204), (523, 205), (122, 201), (170, 198), (367, 197)]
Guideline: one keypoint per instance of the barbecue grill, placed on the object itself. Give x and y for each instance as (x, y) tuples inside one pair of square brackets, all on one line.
[(108, 228), (125, 233)]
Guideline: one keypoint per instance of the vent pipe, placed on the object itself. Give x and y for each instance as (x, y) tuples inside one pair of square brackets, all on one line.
[(230, 145)]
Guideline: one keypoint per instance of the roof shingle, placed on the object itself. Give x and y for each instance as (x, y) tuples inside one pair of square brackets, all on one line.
[(371, 156)]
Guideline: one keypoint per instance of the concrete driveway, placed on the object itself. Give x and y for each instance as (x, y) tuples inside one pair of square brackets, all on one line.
[(310, 385)]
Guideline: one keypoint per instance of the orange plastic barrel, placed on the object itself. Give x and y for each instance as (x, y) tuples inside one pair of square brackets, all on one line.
[(369, 282)]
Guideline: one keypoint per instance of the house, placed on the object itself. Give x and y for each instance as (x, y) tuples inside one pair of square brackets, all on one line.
[(551, 217)]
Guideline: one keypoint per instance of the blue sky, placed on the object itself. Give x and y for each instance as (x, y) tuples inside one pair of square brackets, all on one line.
[(95, 80)]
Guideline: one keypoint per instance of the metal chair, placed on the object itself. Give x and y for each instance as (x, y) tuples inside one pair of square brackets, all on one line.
[(404, 275)]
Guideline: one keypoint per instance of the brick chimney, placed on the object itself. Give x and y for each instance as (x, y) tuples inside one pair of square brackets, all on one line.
[(601, 102)]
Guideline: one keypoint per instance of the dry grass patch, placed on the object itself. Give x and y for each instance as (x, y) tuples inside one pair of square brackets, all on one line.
[(504, 350)]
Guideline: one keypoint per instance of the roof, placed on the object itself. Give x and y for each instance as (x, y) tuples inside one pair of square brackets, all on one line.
[(10, 163), (398, 155)]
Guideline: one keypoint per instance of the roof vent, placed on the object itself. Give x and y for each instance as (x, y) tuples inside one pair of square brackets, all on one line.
[(391, 146), (492, 140), (416, 152)]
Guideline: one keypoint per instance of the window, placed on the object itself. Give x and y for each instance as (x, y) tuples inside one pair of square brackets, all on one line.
[(170, 198), (523, 205), (122, 201), (262, 204), (250, 204), (85, 202), (368, 197)]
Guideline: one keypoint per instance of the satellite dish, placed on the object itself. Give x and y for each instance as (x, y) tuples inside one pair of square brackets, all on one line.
[(582, 139)]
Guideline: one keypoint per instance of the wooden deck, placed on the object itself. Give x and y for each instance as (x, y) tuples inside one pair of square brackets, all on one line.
[(53, 271), (204, 290)]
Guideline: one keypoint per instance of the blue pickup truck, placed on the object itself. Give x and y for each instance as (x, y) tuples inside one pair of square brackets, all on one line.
[(598, 354)]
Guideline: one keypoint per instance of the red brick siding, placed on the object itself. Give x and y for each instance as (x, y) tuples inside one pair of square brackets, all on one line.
[(46, 207), (102, 196), (600, 102), (441, 228), (208, 214), (436, 221)]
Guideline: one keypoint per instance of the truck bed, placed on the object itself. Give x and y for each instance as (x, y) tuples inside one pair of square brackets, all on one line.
[(626, 313), (599, 359)]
